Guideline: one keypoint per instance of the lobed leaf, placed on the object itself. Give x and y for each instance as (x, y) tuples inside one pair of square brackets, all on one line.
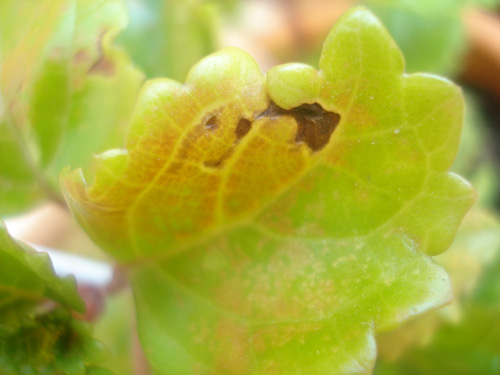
[(275, 224)]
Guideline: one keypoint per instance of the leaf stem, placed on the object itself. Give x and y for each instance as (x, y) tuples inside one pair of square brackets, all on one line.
[(43, 184)]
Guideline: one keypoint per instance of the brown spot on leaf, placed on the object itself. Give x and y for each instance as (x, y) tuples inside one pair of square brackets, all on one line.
[(315, 125), (213, 163), (243, 128), (211, 123)]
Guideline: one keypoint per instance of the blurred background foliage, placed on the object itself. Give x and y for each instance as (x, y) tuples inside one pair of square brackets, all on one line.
[(459, 39)]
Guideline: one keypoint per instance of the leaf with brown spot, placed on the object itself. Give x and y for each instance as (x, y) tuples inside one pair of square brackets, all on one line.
[(311, 227)]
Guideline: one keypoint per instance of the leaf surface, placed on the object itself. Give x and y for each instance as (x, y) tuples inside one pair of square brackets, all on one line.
[(66, 92), (275, 224)]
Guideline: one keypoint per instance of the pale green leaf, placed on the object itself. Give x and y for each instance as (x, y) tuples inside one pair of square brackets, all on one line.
[(66, 93), (275, 226)]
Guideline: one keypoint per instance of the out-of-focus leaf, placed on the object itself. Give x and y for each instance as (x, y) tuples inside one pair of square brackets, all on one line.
[(475, 159), (166, 37), (275, 227), (487, 4), (66, 93), (461, 338), (37, 332), (27, 278), (430, 33), (24, 35), (51, 343)]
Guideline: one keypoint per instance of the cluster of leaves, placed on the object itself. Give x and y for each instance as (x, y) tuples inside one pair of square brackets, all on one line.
[(270, 224), (38, 334)]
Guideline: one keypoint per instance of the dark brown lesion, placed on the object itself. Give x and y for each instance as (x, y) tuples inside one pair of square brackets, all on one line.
[(215, 163), (315, 124), (243, 128), (211, 123), (315, 127)]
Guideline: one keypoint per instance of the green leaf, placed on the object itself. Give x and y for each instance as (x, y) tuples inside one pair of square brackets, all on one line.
[(51, 343), (66, 93), (441, 341), (27, 278), (38, 335), (21, 48), (266, 238), (165, 38)]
